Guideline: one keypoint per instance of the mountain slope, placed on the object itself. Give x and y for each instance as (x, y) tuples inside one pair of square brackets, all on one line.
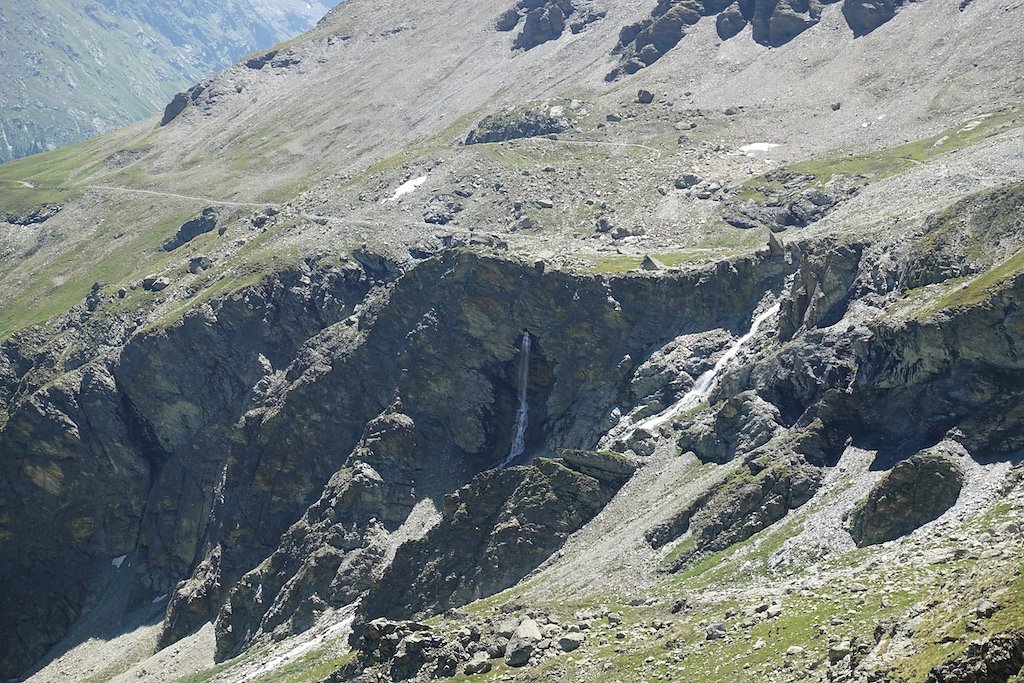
[(75, 69), (262, 353)]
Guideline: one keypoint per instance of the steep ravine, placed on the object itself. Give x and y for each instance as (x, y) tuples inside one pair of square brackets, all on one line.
[(193, 449)]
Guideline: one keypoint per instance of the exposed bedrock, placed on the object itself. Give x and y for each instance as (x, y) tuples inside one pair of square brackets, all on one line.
[(494, 531), (773, 23), (119, 456), (261, 458), (195, 449)]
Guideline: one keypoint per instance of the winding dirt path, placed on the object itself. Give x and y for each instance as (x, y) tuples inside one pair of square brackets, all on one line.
[(157, 193)]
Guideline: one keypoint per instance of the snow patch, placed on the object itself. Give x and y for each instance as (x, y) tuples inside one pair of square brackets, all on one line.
[(297, 651), (759, 147), (405, 188)]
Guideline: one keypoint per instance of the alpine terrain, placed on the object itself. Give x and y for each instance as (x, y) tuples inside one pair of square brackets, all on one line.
[(498, 340), (76, 68)]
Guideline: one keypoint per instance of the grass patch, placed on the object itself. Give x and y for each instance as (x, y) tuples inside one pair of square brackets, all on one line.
[(892, 161), (312, 666), (249, 266), (207, 674), (983, 287), (53, 285)]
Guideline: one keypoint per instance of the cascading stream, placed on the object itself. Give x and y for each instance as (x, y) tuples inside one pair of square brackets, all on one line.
[(523, 412), (702, 387)]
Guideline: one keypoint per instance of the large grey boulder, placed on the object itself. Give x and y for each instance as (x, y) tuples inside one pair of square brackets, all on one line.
[(914, 492), (522, 643)]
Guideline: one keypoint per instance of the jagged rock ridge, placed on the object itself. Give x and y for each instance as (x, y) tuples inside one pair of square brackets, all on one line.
[(773, 23)]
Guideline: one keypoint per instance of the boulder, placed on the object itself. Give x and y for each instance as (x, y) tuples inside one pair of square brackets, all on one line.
[(181, 101), (687, 180), (570, 641), (644, 96), (259, 61), (441, 210), (155, 283), (730, 22), (914, 492), (651, 263), (522, 643), (864, 16), (541, 25), (199, 264), (480, 663), (203, 223), (508, 20)]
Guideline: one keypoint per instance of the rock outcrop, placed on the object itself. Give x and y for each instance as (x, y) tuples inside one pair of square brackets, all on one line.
[(914, 492), (741, 424), (494, 531), (546, 20), (998, 658), (773, 23), (513, 124), (203, 223), (38, 215)]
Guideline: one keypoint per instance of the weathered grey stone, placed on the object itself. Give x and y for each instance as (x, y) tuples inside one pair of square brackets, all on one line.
[(570, 641), (522, 643), (914, 492)]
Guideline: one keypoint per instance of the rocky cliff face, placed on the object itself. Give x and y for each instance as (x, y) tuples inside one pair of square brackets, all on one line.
[(217, 434), (249, 381), (773, 23)]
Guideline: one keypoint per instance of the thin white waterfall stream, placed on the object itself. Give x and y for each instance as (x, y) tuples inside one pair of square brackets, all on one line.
[(702, 387), (523, 412)]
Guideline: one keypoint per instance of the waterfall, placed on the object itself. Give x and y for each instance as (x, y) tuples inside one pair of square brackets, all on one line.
[(702, 387), (523, 412)]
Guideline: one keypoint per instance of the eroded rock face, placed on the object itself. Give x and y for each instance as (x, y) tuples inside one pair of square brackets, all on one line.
[(338, 397), (495, 530), (914, 492), (116, 458), (276, 439), (773, 24), (998, 658), (546, 20), (335, 551)]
